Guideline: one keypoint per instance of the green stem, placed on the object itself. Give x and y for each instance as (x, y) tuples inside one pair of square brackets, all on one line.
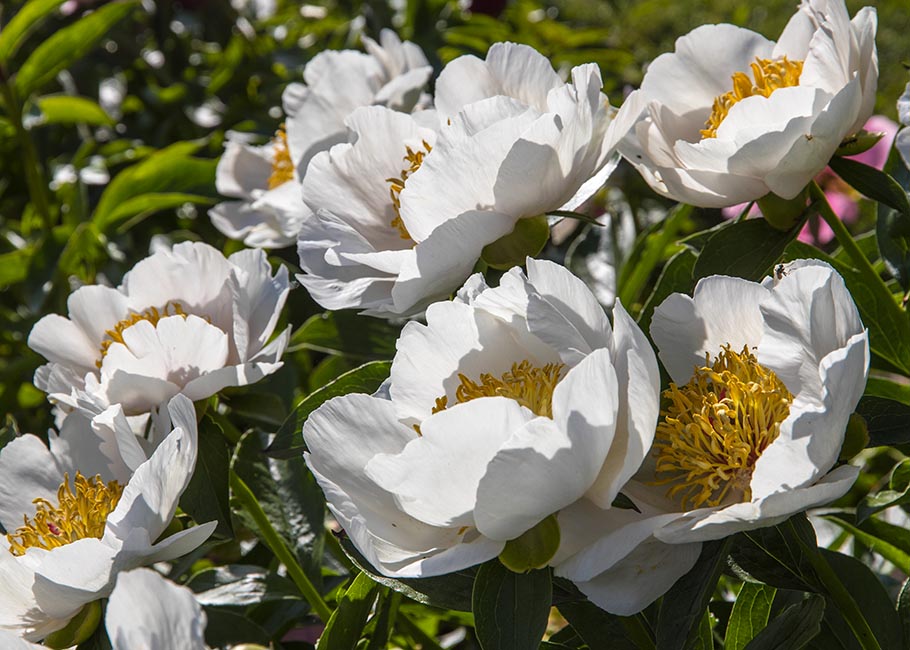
[(271, 538), (846, 605), (639, 632), (410, 628), (844, 238), (34, 177)]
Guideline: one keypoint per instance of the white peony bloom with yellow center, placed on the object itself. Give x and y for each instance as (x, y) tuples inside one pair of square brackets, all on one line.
[(266, 179), (81, 511), (765, 378), (730, 116), (184, 320), (508, 406), (403, 211)]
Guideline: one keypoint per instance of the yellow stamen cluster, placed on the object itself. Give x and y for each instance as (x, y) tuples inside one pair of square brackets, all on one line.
[(716, 427), (396, 185), (77, 515), (769, 74), (152, 315), (282, 165), (529, 385)]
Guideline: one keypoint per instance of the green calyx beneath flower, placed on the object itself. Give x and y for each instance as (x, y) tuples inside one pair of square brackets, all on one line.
[(855, 438), (533, 549), (79, 629), (783, 214), (526, 240), (859, 142)]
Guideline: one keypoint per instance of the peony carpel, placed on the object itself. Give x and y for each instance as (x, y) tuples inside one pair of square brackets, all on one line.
[(509, 405)]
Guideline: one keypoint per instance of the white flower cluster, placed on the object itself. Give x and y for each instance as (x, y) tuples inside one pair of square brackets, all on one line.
[(511, 411)]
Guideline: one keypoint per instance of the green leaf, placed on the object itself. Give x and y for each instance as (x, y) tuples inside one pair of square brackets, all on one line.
[(793, 628), (676, 277), (889, 326), (750, 615), (240, 585), (68, 45), (704, 638), (870, 595), (347, 333), (888, 421), (744, 249), (599, 629), (875, 184), (225, 628), (903, 610), (773, 557), (14, 266), (206, 497), (22, 24), (451, 591), (145, 205), (881, 387), (67, 109), (898, 493), (864, 533), (165, 173), (346, 625), (290, 497), (892, 228), (510, 609), (367, 378), (684, 605)]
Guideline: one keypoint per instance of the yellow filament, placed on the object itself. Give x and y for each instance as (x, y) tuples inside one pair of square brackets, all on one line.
[(715, 428), (396, 185), (531, 386), (152, 315), (77, 515), (769, 74), (282, 165)]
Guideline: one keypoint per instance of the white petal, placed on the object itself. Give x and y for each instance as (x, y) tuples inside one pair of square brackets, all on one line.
[(435, 477), (722, 311), (242, 169), (28, 471), (147, 611), (61, 341), (258, 299)]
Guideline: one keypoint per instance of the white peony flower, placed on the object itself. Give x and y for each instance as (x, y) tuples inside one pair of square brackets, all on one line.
[(76, 515), (270, 208), (267, 179), (403, 211), (509, 405), (185, 320), (902, 141), (148, 612), (766, 378), (712, 142)]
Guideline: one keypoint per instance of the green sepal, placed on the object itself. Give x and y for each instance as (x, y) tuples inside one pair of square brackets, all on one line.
[(533, 549), (526, 240), (783, 214), (79, 629), (859, 142)]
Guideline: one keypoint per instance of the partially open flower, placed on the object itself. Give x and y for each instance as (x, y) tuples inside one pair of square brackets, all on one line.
[(765, 378), (730, 116), (77, 514), (404, 210), (266, 179), (509, 405), (185, 320)]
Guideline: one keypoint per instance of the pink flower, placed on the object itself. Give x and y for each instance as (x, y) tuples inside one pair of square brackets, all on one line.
[(842, 197)]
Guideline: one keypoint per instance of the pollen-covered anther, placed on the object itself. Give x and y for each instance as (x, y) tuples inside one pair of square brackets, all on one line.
[(282, 165), (529, 385), (81, 512), (769, 75), (152, 315), (716, 427), (414, 159)]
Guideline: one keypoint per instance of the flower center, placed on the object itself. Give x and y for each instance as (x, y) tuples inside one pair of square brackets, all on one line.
[(282, 165), (414, 159), (76, 516), (716, 427), (769, 74), (529, 385), (152, 315)]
